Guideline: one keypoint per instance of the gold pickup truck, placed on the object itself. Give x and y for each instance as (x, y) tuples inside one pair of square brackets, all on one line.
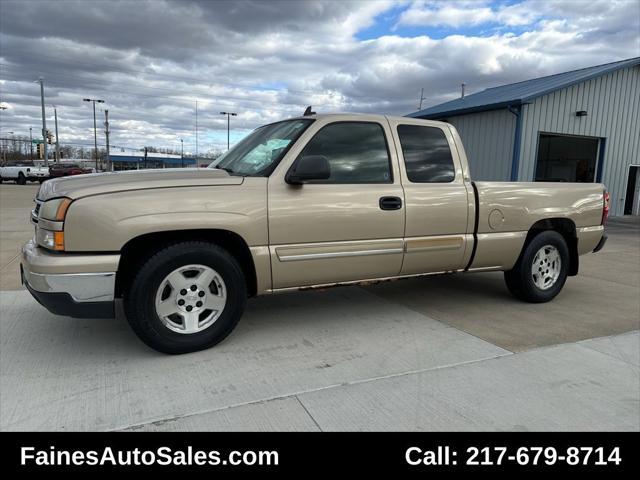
[(314, 201)]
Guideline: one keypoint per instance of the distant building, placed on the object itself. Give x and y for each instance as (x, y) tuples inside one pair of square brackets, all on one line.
[(578, 126), (133, 160)]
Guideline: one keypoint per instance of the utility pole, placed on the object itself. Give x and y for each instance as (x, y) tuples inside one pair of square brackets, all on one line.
[(182, 152), (197, 163), (31, 143), (106, 134), (55, 113), (229, 115), (422, 97), (4, 142), (44, 123), (95, 130)]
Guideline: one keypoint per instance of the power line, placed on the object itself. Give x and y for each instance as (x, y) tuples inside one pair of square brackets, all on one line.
[(268, 105)]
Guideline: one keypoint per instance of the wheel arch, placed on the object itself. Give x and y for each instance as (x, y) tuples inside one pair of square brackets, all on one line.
[(565, 227), (140, 248)]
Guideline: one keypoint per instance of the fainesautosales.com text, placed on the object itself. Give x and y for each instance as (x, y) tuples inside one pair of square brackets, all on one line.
[(188, 456)]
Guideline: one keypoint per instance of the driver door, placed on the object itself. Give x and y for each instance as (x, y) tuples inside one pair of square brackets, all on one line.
[(348, 227)]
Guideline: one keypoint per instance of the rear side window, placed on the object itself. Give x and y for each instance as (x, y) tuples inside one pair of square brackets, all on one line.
[(356, 151), (427, 156)]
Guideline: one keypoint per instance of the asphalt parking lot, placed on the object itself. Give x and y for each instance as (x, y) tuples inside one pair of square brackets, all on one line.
[(451, 352)]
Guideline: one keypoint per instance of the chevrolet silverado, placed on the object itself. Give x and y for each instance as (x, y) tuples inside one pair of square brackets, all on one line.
[(308, 202)]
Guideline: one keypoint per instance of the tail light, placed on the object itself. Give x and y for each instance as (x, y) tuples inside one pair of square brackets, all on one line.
[(605, 207)]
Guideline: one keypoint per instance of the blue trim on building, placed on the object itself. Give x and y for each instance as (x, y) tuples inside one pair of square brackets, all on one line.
[(141, 159), (463, 111), (515, 158)]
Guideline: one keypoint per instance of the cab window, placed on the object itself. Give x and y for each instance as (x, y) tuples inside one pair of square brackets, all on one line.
[(356, 151), (426, 152)]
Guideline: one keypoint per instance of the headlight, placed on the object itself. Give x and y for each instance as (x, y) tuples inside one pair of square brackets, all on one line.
[(50, 225), (55, 209), (49, 239)]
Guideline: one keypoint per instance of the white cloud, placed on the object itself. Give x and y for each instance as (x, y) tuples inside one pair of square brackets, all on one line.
[(269, 60), (454, 14)]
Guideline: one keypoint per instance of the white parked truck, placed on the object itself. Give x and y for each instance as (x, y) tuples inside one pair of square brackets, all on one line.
[(22, 173)]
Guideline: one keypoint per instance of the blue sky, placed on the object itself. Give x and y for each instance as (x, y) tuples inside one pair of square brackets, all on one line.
[(386, 23)]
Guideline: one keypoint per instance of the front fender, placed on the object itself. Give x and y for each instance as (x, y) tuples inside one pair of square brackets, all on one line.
[(105, 223)]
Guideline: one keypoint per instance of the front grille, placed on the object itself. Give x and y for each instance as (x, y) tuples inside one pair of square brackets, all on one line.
[(36, 211)]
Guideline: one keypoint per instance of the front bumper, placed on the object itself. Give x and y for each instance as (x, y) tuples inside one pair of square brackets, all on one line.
[(37, 175), (88, 292)]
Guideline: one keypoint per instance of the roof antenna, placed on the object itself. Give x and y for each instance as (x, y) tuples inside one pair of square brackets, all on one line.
[(308, 112)]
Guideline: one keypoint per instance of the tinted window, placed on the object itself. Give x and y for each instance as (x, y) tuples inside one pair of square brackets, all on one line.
[(426, 152), (356, 151)]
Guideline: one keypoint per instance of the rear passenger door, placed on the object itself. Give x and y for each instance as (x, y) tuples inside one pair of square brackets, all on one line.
[(345, 228), (436, 197)]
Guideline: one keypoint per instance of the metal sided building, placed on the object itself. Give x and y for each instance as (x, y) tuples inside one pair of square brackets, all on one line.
[(578, 126), (137, 160)]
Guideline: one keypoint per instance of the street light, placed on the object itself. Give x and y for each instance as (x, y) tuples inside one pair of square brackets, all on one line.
[(182, 152), (95, 134), (229, 115)]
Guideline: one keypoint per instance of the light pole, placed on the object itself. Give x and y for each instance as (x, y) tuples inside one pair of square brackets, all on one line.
[(106, 135), (95, 134), (44, 124), (229, 115), (55, 113), (31, 144), (182, 152)]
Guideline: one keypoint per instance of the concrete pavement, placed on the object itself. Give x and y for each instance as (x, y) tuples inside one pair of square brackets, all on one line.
[(337, 360), (15, 203)]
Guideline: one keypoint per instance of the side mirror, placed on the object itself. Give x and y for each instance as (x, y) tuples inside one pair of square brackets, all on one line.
[(311, 167)]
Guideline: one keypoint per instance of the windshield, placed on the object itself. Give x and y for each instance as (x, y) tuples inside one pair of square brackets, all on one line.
[(259, 152)]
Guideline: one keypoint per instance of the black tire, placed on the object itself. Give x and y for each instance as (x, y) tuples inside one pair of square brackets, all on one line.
[(520, 281), (140, 294), (22, 180)]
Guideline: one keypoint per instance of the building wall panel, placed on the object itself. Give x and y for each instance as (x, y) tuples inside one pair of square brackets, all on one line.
[(612, 102), (488, 141)]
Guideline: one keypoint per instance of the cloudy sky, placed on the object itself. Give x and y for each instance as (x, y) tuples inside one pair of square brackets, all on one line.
[(266, 60)]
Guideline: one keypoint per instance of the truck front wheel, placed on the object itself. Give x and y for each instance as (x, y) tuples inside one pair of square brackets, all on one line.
[(186, 297), (541, 270)]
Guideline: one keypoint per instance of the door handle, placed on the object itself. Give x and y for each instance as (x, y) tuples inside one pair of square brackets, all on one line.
[(390, 203)]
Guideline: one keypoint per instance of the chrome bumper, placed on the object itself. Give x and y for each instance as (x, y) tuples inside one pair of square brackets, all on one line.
[(88, 292), (82, 287)]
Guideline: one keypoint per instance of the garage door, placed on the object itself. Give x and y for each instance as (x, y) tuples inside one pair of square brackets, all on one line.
[(564, 158)]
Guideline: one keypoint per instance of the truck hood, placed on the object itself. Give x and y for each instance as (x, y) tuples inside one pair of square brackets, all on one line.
[(99, 183)]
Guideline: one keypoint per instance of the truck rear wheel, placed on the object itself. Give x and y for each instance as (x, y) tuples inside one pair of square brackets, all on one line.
[(541, 270), (186, 297)]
